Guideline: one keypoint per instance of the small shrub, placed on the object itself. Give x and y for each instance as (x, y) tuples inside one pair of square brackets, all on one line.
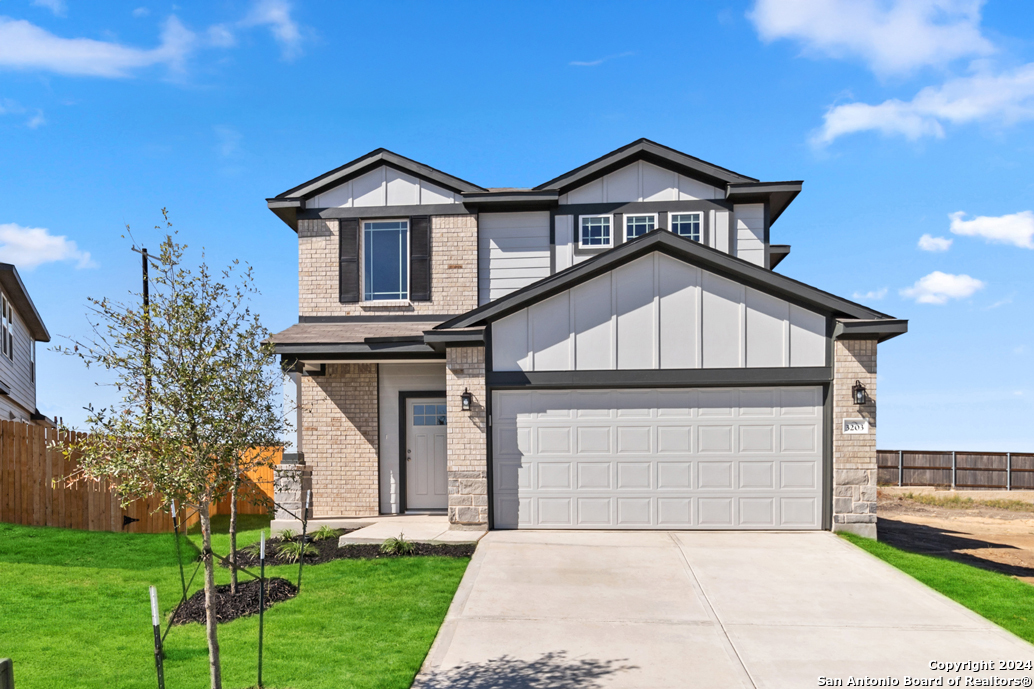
[(255, 550), (286, 535), (292, 551), (398, 546), (324, 533)]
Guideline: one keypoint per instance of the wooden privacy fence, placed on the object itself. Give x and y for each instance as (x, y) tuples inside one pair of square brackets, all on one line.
[(32, 492), (988, 470)]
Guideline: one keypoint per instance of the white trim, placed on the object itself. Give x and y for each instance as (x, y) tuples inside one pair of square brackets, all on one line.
[(610, 220), (624, 223), (671, 224), (363, 301)]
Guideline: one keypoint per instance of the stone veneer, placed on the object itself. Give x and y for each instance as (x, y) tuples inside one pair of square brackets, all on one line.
[(454, 261), (339, 427), (467, 440), (854, 456)]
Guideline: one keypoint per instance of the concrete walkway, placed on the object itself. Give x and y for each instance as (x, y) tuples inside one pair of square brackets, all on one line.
[(544, 609), (419, 528)]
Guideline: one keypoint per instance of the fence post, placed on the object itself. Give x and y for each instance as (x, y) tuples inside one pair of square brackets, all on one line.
[(901, 468), (954, 469), (1008, 471)]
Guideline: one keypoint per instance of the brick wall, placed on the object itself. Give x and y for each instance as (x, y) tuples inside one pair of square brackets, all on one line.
[(467, 440), (339, 426), (453, 270), (854, 455)]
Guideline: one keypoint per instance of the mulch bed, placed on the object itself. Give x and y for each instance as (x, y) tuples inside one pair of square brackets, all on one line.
[(228, 607), (328, 550)]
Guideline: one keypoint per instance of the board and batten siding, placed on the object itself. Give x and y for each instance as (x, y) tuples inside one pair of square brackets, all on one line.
[(513, 252), (641, 181), (383, 186), (658, 313), (17, 375), (750, 232)]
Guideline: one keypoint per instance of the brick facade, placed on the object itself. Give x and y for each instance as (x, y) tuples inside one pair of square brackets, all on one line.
[(339, 427), (467, 440), (854, 455), (454, 257)]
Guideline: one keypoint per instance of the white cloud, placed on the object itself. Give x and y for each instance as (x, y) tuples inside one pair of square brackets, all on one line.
[(229, 140), (141, 12), (13, 107), (36, 121), (598, 62), (891, 37), (938, 288), (930, 243), (28, 247), (220, 36), (1016, 229), (276, 14), (1005, 98), (58, 7), (873, 295), (26, 46)]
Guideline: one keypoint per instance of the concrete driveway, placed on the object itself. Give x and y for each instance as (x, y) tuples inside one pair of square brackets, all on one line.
[(541, 609)]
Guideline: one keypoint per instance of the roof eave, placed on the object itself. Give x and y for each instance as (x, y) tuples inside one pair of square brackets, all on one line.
[(778, 195), (22, 302)]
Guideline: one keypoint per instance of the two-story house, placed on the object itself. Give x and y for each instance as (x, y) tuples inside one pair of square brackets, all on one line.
[(20, 329), (612, 349)]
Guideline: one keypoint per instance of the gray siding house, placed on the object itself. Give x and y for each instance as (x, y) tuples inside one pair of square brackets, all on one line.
[(20, 329), (612, 349)]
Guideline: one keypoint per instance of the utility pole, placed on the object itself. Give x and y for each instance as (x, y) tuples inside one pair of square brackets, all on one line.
[(147, 334)]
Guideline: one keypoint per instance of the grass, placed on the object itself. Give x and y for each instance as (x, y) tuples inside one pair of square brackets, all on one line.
[(959, 503), (1006, 601), (75, 612)]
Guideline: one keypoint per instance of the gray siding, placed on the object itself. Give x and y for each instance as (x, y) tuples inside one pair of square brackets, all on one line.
[(17, 374)]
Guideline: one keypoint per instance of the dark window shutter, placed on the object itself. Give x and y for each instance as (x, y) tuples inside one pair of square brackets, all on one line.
[(420, 258), (348, 260)]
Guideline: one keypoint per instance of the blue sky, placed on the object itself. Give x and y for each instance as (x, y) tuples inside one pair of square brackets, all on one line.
[(904, 118)]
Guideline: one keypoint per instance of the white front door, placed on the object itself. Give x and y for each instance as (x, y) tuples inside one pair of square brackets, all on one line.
[(427, 485)]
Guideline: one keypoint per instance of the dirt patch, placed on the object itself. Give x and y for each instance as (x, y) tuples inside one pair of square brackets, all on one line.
[(229, 607), (327, 550), (999, 540)]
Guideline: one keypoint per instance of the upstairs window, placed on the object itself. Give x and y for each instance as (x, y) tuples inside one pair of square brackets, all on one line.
[(638, 225), (32, 360), (6, 323), (386, 260), (687, 225), (595, 231)]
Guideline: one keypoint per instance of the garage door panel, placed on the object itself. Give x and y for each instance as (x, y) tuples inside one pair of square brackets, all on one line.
[(725, 458)]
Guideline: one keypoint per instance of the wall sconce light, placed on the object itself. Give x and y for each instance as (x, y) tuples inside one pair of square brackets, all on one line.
[(858, 393), (466, 399)]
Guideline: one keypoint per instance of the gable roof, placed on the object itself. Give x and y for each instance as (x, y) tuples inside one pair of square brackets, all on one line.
[(22, 303), (650, 151), (677, 247)]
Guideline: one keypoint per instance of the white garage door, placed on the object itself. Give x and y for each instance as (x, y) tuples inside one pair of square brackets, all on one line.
[(740, 458)]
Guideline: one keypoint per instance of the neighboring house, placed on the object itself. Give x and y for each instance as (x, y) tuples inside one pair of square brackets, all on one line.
[(611, 349), (20, 329)]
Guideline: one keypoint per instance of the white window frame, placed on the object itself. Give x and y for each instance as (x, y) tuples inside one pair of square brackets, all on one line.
[(624, 229), (6, 329), (362, 264), (610, 222), (32, 360), (671, 224)]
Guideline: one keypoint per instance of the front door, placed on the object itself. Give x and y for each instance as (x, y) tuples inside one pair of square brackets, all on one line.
[(427, 486)]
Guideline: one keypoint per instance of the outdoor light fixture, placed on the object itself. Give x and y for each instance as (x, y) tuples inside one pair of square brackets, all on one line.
[(858, 392), (466, 399)]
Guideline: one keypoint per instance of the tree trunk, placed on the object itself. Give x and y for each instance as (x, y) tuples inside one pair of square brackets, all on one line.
[(210, 621), (233, 538)]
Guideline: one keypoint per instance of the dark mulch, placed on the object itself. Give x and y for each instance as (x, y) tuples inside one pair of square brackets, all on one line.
[(328, 550), (228, 607)]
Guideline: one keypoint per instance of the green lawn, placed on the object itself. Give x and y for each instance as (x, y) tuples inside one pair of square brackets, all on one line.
[(74, 612), (1005, 601)]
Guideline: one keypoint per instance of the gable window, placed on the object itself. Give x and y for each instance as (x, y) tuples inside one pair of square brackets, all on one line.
[(638, 225), (386, 260), (6, 322), (32, 361), (595, 231), (687, 225)]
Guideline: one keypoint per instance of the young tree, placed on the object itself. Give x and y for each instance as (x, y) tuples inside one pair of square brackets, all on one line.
[(197, 395)]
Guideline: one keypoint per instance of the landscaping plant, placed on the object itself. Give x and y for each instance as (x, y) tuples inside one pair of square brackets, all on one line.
[(286, 535), (324, 533), (398, 546), (197, 407), (293, 551)]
